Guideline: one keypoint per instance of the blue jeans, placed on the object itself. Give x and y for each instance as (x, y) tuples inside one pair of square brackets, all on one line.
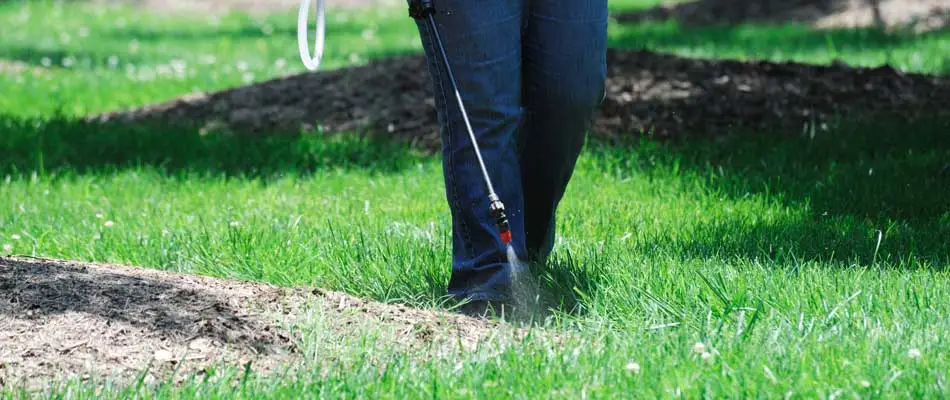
[(531, 74)]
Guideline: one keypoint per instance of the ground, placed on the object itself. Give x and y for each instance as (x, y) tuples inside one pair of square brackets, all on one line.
[(661, 94), (88, 321), (164, 212), (658, 94)]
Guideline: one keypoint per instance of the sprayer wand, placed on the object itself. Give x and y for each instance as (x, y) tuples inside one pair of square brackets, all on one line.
[(424, 9), (418, 9)]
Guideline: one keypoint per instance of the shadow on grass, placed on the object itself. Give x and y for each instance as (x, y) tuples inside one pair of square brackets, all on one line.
[(844, 185), (784, 39), (249, 29), (57, 58), (341, 35), (64, 146), (852, 180), (841, 188)]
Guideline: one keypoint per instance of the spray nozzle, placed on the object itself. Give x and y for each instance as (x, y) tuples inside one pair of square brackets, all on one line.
[(501, 220)]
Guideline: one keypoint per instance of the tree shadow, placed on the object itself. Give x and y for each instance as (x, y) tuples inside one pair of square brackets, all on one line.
[(839, 13), (251, 29), (566, 285), (730, 41), (867, 193), (178, 310), (63, 146), (841, 188), (57, 58)]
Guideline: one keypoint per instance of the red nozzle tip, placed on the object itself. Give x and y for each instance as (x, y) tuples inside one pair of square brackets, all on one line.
[(505, 236)]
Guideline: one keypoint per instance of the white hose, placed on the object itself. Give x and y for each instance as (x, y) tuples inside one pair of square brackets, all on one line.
[(312, 63)]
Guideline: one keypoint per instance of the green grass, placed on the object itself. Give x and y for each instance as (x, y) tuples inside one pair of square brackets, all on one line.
[(923, 53), (123, 58), (807, 266)]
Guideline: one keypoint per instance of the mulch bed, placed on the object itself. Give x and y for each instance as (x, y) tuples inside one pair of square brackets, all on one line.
[(665, 95)]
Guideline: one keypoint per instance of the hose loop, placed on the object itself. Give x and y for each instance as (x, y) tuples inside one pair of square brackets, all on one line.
[(311, 62)]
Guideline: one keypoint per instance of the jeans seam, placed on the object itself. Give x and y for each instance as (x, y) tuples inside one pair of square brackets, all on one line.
[(443, 106)]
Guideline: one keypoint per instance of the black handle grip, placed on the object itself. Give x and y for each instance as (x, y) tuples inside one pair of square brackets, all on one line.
[(421, 8)]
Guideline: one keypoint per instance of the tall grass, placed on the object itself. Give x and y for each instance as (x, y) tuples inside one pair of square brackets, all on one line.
[(806, 267)]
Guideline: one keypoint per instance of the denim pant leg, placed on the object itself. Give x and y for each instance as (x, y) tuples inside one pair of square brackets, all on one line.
[(482, 42), (565, 68)]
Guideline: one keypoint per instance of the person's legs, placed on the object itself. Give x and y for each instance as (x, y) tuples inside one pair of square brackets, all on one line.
[(564, 55), (482, 42)]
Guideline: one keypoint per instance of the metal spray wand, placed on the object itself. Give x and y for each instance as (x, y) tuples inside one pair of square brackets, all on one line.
[(424, 9)]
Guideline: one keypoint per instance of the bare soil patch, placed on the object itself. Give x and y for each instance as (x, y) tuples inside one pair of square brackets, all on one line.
[(647, 92), (918, 15), (65, 319)]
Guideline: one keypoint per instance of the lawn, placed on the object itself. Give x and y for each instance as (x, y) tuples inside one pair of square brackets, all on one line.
[(807, 267)]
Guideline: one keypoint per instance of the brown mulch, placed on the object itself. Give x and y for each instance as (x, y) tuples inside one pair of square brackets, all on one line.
[(65, 320), (668, 95), (678, 96), (918, 15)]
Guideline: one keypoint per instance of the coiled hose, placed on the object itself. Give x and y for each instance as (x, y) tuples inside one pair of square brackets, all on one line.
[(311, 62)]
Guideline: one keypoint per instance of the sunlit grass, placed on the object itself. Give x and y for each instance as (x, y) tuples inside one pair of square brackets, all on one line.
[(806, 267), (117, 57), (856, 47)]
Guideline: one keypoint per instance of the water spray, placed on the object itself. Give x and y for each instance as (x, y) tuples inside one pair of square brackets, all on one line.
[(420, 10), (524, 288)]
